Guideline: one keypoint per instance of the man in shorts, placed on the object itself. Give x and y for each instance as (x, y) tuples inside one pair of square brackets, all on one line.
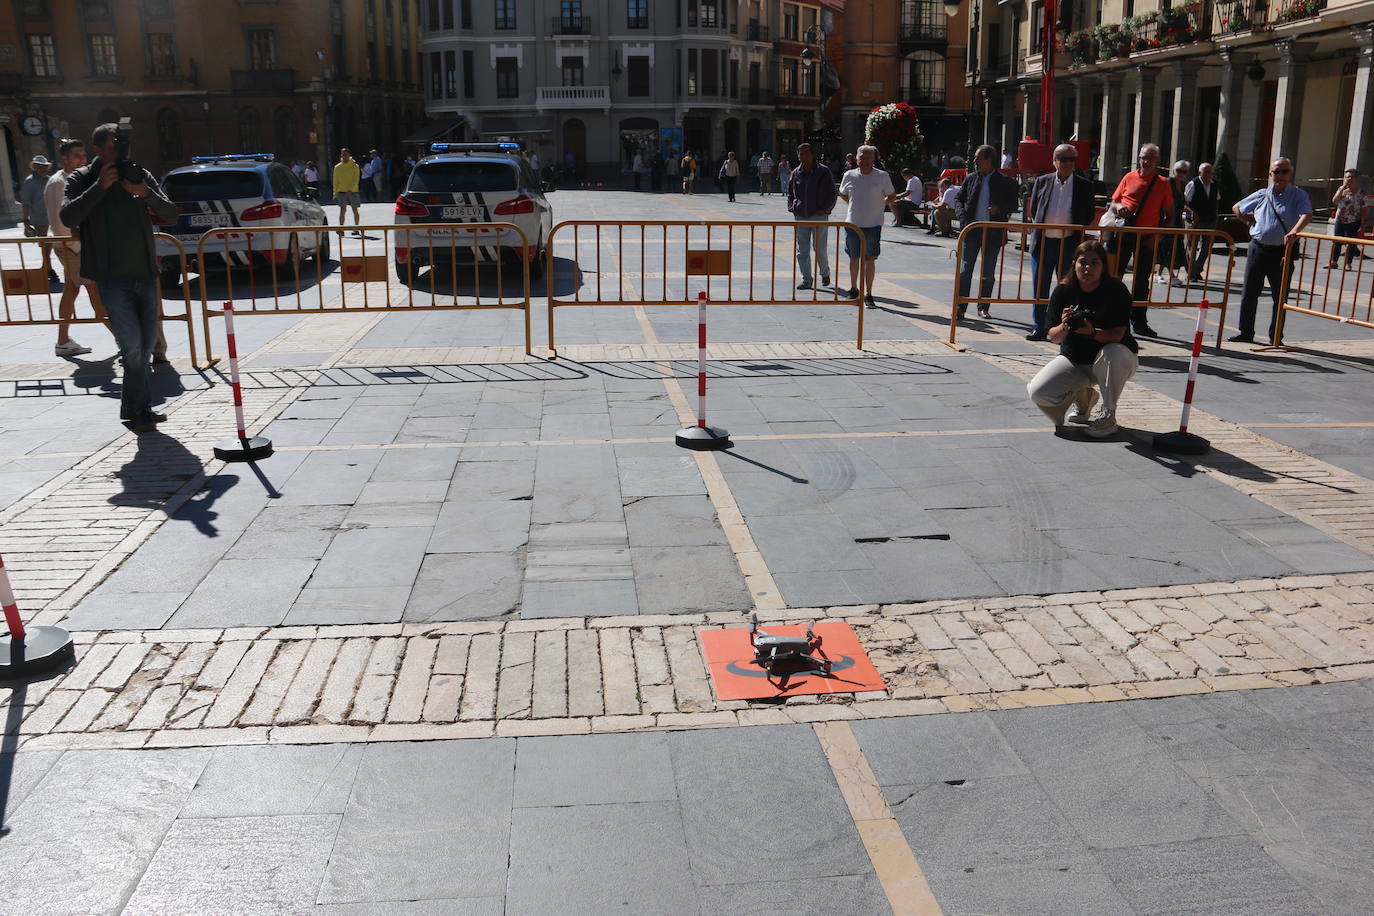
[(868, 191), (71, 155), (347, 174)]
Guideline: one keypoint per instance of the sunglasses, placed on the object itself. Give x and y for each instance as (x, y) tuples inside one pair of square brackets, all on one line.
[(1062, 159), (1279, 171)]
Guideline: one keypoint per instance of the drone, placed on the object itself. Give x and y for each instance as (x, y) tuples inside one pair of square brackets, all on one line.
[(793, 654)]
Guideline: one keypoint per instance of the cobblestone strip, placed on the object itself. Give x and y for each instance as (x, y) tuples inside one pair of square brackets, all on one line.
[(578, 675)]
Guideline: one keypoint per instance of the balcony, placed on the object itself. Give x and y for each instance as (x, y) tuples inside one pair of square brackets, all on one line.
[(572, 25), (916, 36), (281, 80), (756, 32), (561, 97), (928, 96)]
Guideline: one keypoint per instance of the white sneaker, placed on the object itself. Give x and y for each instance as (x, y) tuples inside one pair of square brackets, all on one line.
[(70, 348), (1102, 427), (1080, 413)]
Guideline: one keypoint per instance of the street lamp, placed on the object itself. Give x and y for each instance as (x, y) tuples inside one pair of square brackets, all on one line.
[(829, 79), (951, 8)]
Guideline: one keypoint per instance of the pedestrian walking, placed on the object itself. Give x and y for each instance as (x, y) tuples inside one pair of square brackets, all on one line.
[(1142, 198), (867, 191), (347, 177), (1347, 207), (729, 174), (1276, 215), (379, 176), (909, 199), (637, 168), (985, 196), (34, 208), (765, 173), (312, 178), (810, 190), (113, 217), (1170, 251), (1200, 205), (1062, 198), (71, 155), (688, 165)]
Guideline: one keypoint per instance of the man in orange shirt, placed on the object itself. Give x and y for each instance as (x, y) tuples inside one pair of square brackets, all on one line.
[(1144, 199)]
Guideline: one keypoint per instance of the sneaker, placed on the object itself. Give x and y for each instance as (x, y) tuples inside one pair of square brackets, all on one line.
[(825, 281), (1080, 412), (70, 348), (853, 292), (1241, 338), (1037, 335), (53, 277), (868, 301), (1178, 284), (1101, 427), (984, 313), (805, 284)]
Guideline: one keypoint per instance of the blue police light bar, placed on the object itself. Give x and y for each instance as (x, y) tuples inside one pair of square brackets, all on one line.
[(473, 147), (233, 157)]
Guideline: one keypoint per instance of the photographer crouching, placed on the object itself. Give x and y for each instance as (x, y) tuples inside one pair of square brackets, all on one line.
[(107, 204), (1089, 317)]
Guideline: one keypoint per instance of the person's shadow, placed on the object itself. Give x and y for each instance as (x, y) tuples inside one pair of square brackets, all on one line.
[(159, 469)]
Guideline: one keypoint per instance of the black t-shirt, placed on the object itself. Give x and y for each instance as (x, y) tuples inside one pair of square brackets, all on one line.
[(1110, 305)]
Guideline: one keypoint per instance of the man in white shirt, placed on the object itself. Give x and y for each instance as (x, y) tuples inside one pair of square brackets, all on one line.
[(868, 191), (71, 155), (765, 174), (910, 199), (942, 217), (1061, 198), (1007, 160)]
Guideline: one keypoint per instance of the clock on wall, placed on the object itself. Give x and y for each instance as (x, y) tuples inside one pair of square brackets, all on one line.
[(32, 126)]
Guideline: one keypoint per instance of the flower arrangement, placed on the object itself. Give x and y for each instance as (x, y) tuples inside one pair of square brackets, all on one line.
[(1235, 19), (1300, 9), (895, 130), (1112, 41), (1080, 47)]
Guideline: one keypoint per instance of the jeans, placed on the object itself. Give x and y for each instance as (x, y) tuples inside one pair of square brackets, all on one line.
[(1049, 261), (989, 242), (134, 310), (1124, 245), (730, 186), (804, 237), (1263, 263), (1349, 231), (1063, 382)]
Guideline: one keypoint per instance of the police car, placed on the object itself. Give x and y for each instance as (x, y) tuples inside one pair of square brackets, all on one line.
[(471, 183), (244, 190)]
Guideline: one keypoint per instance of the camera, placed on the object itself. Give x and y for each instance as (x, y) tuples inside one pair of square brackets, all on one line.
[(129, 170), (1078, 317)]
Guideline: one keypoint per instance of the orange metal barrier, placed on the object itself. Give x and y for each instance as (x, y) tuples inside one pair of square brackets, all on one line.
[(654, 262), (22, 274), (424, 259), (1343, 293), (1015, 284)]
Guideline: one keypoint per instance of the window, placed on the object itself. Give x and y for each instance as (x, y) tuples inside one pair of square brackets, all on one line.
[(710, 72), (95, 9), (157, 9), (691, 71), (572, 71), (169, 135), (505, 14), (570, 15), (924, 77), (162, 59), (103, 60), (789, 21), (469, 76), (734, 79), (465, 13), (808, 21), (637, 71), (507, 77), (708, 14), (262, 49), (340, 57), (637, 14), (808, 80), (42, 55), (436, 75), (405, 68), (1037, 19), (250, 130), (692, 12), (450, 74)]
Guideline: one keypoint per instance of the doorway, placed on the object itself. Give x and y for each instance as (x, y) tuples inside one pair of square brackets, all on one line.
[(575, 147)]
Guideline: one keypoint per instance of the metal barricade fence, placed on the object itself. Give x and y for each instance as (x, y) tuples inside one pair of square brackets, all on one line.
[(653, 262), (1018, 270), (440, 263), (23, 275), (1344, 292)]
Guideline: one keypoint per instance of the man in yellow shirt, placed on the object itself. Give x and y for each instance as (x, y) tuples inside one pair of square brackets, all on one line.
[(346, 177)]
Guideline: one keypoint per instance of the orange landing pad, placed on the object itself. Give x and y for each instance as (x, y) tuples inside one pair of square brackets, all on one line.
[(730, 657)]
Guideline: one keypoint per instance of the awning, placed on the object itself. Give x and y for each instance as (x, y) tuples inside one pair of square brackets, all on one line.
[(516, 126), (438, 130)]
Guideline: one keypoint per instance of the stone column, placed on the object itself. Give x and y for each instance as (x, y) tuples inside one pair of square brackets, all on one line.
[(1109, 148), (1359, 149), (1082, 97), (1185, 112), (1008, 138), (1233, 64), (1288, 107), (1030, 113), (9, 207), (1142, 129), (988, 136)]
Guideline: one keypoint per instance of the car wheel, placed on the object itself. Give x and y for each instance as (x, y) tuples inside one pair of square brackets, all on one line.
[(170, 275), (403, 272)]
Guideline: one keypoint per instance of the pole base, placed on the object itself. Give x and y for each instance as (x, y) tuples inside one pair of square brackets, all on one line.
[(703, 438), (41, 650), (1181, 443), (255, 448)]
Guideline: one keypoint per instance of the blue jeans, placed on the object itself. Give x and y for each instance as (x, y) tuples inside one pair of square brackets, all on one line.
[(989, 242), (134, 310), (804, 237), (1049, 261)]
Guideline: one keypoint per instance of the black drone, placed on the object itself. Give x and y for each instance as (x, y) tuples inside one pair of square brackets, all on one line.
[(790, 654)]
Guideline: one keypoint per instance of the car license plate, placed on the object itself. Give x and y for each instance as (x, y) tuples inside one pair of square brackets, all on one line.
[(209, 219), (462, 212)]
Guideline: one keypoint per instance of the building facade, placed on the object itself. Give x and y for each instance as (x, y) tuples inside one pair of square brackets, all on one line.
[(590, 82), (1254, 80), (909, 51), (292, 77)]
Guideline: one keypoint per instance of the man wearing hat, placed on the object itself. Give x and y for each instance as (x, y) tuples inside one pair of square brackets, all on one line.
[(35, 213)]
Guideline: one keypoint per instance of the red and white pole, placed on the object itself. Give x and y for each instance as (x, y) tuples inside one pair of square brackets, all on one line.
[(1183, 441), (9, 605), (28, 650), (243, 448), (702, 437)]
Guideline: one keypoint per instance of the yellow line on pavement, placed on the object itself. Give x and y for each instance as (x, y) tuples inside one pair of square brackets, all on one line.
[(893, 861)]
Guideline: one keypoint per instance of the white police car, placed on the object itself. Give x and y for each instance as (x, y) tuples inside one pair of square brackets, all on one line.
[(471, 183), (245, 190)]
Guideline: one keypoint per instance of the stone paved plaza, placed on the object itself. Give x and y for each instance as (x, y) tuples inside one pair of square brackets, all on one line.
[(439, 653)]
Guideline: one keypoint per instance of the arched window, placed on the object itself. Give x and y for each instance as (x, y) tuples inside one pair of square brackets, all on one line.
[(923, 76), (250, 131), (284, 131), (169, 136)]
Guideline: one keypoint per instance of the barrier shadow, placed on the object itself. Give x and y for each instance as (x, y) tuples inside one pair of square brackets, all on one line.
[(1140, 442), (255, 283), (462, 280)]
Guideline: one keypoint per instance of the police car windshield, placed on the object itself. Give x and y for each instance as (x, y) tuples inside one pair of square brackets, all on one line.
[(463, 176), (216, 185)]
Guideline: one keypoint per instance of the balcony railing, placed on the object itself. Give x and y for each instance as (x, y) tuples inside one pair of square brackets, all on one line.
[(925, 95), (914, 36), (282, 80), (572, 25), (756, 32), (573, 97)]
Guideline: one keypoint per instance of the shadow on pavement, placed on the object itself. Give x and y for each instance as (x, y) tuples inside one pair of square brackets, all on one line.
[(1139, 441)]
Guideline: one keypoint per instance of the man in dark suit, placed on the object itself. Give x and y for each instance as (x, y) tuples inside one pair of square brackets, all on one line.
[(1059, 198), (986, 196), (1201, 202)]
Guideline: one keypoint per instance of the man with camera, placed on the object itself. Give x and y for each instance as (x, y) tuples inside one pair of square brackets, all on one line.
[(1090, 313), (107, 205)]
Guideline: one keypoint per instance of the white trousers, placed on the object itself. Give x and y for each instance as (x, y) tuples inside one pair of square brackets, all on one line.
[(1063, 382)]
